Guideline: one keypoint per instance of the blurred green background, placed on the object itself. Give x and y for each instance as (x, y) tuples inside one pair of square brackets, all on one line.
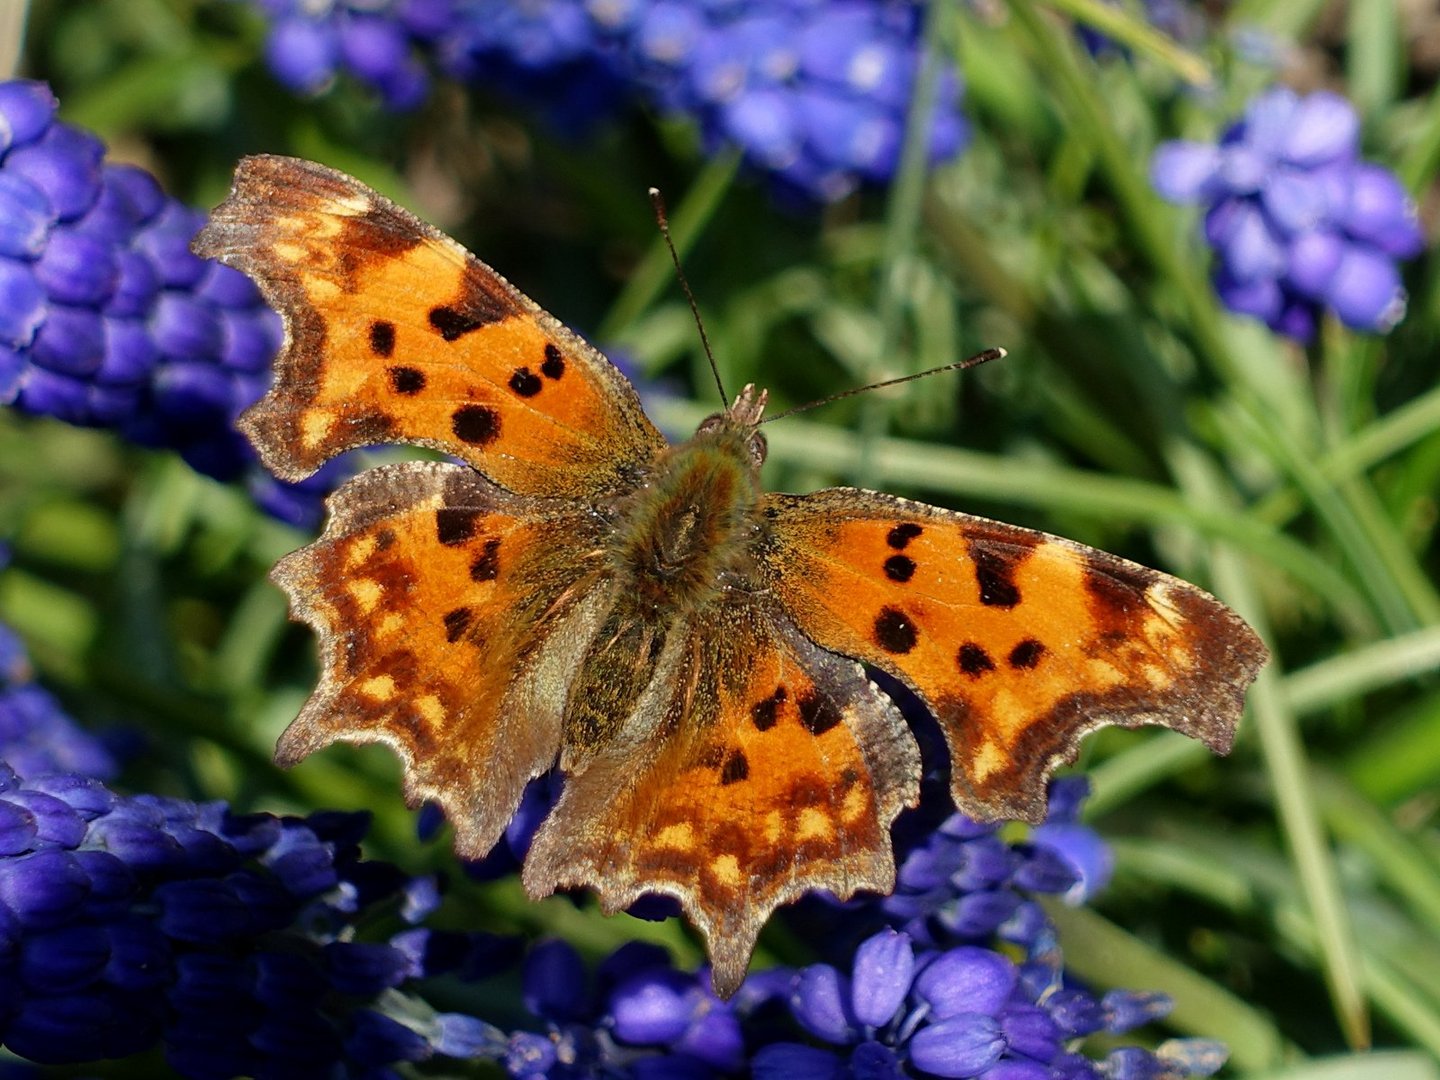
[(1289, 896)]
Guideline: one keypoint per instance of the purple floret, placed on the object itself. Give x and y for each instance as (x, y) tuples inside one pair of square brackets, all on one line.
[(1298, 222)]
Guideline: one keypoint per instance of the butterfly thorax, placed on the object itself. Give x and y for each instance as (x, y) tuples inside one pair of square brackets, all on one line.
[(681, 544), (682, 538)]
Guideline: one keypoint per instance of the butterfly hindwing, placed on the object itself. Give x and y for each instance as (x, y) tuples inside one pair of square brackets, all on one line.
[(440, 602), (1019, 641), (759, 767), (395, 333)]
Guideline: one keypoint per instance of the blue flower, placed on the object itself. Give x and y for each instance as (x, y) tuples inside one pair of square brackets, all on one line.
[(969, 979), (108, 320), (1298, 222), (308, 46), (962, 883), (960, 1012), (37, 736), (638, 1017), (814, 95), (229, 940)]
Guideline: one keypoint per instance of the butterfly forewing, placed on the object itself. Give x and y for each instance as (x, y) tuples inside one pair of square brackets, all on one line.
[(395, 333), (1020, 642)]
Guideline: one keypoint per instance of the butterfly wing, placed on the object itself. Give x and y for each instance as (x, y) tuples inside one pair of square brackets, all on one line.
[(450, 614), (395, 333), (756, 767), (1018, 641)]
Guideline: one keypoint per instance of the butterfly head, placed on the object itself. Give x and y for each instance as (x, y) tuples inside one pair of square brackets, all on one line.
[(740, 423)]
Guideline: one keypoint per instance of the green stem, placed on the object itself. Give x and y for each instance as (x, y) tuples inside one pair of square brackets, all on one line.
[(1134, 33), (1404, 867), (902, 221), (1422, 157), (1294, 794), (12, 36), (1402, 593), (1381, 439)]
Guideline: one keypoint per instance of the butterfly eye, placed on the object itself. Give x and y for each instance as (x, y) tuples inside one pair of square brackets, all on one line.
[(710, 423), (758, 449)]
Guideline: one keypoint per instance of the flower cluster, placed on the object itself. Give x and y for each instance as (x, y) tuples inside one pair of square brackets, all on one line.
[(813, 93), (1299, 222), (109, 320), (37, 736), (127, 922), (641, 1018), (234, 943), (964, 1011), (958, 972), (308, 44), (963, 883), (230, 940)]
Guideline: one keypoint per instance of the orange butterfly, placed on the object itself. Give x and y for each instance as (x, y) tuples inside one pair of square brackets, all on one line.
[(684, 643)]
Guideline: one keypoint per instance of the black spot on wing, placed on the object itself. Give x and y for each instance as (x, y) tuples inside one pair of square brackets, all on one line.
[(554, 365), (902, 534), (451, 324), (1027, 654), (382, 338), (766, 711), (482, 301), (406, 380), (899, 568), (525, 382), (974, 660), (894, 631), (457, 621), (486, 565), (455, 525), (478, 425), (818, 713), (995, 576), (735, 769)]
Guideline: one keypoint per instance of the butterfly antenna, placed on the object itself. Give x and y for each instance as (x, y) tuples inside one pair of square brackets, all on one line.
[(660, 219), (959, 365)]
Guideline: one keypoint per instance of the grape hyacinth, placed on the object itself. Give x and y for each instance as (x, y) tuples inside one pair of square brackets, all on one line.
[(967, 978), (127, 922), (108, 320), (37, 736), (309, 44), (962, 883), (965, 1011), (814, 94), (1299, 222)]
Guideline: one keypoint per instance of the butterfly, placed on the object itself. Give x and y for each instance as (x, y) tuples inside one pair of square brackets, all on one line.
[(688, 648)]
